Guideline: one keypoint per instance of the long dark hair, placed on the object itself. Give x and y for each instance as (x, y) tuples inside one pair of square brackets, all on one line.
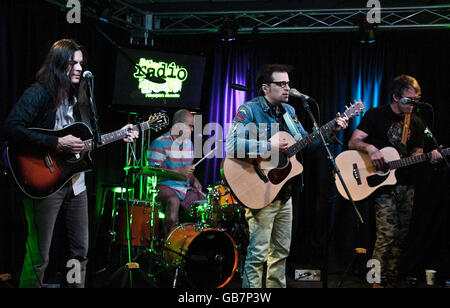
[(53, 73)]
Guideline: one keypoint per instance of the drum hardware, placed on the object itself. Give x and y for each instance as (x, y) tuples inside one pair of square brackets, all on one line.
[(201, 253), (142, 220), (138, 223), (160, 174), (153, 225)]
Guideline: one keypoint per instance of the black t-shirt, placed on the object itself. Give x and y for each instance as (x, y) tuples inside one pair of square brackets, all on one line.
[(385, 128)]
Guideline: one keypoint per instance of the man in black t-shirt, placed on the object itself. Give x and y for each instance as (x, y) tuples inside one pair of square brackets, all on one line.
[(395, 126)]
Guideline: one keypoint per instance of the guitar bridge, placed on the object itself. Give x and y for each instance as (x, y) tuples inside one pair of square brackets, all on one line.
[(356, 174)]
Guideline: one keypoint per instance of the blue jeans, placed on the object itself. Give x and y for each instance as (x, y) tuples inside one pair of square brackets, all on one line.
[(75, 211)]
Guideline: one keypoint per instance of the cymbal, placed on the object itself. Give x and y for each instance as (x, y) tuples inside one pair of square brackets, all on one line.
[(161, 174)]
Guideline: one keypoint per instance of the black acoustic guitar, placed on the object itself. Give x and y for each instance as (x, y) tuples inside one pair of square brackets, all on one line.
[(41, 174)]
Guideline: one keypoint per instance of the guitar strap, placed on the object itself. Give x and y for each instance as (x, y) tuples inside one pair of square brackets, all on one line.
[(293, 129), (297, 136), (406, 129)]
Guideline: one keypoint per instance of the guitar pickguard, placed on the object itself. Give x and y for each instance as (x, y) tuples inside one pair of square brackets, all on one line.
[(276, 176)]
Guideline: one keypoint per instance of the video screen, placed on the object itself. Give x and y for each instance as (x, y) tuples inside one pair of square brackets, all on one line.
[(158, 79)]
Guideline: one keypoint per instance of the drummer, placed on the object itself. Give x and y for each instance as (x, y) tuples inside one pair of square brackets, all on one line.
[(174, 151)]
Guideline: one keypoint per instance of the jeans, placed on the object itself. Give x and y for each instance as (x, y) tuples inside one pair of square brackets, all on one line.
[(75, 210), (270, 240)]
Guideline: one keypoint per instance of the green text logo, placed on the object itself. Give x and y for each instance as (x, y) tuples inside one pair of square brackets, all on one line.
[(161, 80)]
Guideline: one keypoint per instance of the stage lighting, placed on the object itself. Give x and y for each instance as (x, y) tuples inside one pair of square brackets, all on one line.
[(105, 15), (102, 9), (228, 30), (367, 33)]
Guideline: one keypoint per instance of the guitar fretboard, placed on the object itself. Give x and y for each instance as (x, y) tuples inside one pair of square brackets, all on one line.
[(300, 145), (115, 136), (325, 129), (408, 161)]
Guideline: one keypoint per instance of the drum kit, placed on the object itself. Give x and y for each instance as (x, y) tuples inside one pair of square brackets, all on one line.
[(198, 252)]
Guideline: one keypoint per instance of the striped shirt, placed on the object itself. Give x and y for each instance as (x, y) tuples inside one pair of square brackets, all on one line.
[(167, 152)]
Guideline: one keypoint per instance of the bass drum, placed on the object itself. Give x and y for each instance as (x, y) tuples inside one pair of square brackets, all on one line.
[(208, 257)]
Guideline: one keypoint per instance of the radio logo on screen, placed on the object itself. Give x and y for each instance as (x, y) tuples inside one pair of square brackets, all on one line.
[(160, 79)]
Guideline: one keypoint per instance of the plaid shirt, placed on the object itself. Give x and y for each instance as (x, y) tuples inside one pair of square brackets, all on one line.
[(167, 152)]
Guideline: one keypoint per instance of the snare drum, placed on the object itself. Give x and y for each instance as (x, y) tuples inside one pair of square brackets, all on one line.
[(208, 256)]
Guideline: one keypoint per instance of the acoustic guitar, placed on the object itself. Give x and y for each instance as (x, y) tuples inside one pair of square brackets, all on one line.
[(256, 182), (361, 177)]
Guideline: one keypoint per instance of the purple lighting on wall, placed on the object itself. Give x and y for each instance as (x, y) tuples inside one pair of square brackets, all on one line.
[(225, 102)]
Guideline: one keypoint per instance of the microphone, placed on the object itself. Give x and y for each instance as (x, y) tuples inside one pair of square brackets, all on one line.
[(294, 93), (405, 100), (88, 75), (239, 87)]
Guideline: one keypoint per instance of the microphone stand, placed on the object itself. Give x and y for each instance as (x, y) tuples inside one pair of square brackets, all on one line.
[(430, 135), (97, 139), (336, 169), (330, 156)]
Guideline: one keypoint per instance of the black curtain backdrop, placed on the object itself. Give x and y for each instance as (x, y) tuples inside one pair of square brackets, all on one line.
[(328, 67)]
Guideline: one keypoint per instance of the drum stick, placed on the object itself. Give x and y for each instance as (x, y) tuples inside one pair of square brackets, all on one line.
[(206, 156)]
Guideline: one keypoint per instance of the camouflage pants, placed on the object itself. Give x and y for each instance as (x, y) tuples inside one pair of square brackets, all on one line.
[(393, 209)]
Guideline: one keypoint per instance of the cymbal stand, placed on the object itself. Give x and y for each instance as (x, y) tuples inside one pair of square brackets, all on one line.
[(152, 192)]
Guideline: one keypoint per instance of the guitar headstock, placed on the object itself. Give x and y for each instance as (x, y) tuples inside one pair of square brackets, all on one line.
[(354, 109), (158, 121)]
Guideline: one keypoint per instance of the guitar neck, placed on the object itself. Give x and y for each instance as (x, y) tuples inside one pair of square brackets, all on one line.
[(408, 161), (115, 136), (300, 145)]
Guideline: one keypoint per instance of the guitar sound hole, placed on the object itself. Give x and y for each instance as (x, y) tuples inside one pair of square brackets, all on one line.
[(376, 179)]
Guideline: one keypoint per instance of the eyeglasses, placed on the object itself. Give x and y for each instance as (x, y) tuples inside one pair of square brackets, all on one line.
[(281, 84), (406, 100)]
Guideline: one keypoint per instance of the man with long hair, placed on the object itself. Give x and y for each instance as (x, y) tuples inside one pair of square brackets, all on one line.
[(56, 100)]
